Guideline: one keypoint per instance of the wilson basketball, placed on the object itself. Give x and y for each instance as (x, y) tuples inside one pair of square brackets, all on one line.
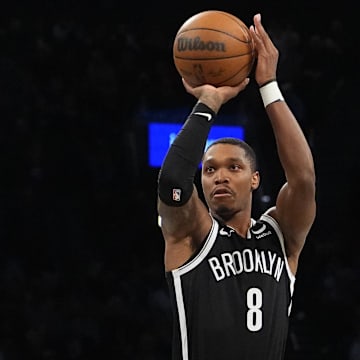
[(213, 47)]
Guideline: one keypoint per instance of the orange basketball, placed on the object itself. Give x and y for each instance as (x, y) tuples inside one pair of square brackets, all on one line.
[(213, 47)]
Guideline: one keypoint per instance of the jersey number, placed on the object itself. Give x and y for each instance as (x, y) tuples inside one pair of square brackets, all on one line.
[(254, 314)]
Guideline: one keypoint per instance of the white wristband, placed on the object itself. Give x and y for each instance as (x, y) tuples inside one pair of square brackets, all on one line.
[(271, 93)]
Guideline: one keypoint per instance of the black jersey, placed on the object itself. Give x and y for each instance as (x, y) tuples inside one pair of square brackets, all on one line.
[(232, 300)]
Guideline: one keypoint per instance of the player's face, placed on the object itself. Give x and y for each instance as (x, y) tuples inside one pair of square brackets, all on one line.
[(227, 180)]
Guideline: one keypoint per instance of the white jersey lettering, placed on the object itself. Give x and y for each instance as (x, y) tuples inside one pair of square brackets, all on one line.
[(259, 261)]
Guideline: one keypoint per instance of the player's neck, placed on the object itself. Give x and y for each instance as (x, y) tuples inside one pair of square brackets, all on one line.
[(240, 222)]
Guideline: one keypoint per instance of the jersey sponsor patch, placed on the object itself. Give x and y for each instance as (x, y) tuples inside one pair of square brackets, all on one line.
[(259, 231)]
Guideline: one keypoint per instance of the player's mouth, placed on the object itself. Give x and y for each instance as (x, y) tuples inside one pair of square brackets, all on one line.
[(221, 192)]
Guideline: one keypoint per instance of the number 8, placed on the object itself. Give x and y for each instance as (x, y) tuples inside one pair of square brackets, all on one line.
[(254, 314)]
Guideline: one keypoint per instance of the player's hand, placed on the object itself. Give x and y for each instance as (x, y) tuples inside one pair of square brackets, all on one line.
[(267, 53), (213, 96)]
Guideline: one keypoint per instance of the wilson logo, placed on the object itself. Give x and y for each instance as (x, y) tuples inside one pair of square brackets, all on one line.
[(196, 44)]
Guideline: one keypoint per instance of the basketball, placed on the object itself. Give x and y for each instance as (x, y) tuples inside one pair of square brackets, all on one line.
[(213, 47)]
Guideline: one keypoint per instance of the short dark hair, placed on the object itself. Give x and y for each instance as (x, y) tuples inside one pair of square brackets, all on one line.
[(249, 151)]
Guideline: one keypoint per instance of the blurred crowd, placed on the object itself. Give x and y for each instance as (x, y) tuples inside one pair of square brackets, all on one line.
[(81, 256)]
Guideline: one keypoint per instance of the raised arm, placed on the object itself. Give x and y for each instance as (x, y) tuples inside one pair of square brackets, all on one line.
[(185, 220), (295, 206)]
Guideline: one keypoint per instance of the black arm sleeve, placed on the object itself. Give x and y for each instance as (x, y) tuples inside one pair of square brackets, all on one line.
[(176, 176)]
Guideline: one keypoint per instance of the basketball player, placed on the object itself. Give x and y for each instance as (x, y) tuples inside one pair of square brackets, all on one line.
[(231, 277)]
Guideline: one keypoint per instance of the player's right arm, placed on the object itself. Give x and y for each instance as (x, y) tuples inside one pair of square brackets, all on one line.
[(184, 218), (183, 229)]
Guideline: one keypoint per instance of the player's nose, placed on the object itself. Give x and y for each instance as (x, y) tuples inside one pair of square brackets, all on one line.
[(221, 176)]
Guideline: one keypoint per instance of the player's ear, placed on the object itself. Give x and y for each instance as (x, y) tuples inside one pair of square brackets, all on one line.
[(255, 180)]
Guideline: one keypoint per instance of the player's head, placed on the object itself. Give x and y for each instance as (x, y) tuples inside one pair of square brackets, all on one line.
[(249, 151), (229, 175)]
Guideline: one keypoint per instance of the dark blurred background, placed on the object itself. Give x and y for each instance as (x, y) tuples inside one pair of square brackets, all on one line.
[(81, 256)]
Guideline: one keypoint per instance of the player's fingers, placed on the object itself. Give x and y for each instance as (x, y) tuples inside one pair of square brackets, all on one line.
[(260, 36), (259, 28)]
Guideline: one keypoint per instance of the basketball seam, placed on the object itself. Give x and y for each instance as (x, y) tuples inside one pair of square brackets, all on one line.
[(217, 31), (211, 58)]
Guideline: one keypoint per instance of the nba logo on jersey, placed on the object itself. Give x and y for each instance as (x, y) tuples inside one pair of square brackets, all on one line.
[(176, 194)]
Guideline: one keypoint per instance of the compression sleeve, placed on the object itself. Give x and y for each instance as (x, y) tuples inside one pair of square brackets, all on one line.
[(176, 176)]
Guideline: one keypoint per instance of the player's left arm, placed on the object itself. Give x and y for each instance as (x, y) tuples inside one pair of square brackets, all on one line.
[(295, 208), (295, 205)]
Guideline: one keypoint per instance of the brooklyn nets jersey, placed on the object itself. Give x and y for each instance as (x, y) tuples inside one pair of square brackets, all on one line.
[(232, 300)]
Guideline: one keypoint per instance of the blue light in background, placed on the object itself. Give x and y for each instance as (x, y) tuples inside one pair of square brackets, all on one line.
[(161, 135)]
